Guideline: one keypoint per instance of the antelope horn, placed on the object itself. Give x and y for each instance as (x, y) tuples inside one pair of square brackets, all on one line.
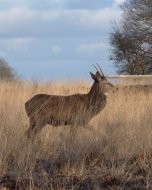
[(100, 70), (96, 68)]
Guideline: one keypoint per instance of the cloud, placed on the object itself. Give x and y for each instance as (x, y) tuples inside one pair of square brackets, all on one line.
[(60, 32), (58, 4), (45, 34), (119, 1), (56, 49), (86, 4), (16, 48), (34, 4), (91, 47), (98, 19), (25, 22)]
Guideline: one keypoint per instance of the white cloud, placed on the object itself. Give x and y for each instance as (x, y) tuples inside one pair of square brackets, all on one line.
[(12, 18), (28, 3), (98, 18), (56, 49), (58, 4), (25, 22), (92, 47), (119, 1), (15, 44), (67, 34)]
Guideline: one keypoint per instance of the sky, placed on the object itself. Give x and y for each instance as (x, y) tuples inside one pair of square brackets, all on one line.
[(57, 39)]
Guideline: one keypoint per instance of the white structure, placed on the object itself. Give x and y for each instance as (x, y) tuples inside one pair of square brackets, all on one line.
[(131, 79)]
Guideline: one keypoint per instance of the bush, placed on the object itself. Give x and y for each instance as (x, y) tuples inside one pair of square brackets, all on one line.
[(6, 71)]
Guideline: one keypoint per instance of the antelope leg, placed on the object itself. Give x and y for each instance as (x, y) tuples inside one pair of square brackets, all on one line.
[(35, 128)]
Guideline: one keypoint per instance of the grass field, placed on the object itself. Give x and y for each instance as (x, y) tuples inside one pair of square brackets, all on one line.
[(117, 156)]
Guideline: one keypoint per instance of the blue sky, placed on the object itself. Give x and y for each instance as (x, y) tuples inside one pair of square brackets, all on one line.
[(57, 39)]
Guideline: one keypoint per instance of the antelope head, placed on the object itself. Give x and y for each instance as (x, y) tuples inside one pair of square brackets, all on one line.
[(101, 81)]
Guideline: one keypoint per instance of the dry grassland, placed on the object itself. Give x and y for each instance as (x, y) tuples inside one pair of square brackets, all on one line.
[(117, 156)]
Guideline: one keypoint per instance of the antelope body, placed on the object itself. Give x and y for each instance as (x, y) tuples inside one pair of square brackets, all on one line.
[(74, 110)]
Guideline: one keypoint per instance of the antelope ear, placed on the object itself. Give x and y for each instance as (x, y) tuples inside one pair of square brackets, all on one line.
[(94, 77)]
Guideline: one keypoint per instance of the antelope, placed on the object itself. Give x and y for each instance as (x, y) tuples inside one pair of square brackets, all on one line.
[(74, 110)]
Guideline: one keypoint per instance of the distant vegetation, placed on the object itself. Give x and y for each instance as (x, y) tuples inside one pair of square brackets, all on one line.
[(7, 73), (131, 40)]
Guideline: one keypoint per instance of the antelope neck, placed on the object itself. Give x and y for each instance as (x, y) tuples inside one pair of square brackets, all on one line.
[(95, 91)]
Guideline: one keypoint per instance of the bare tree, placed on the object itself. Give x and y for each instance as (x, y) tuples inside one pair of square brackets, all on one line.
[(131, 41), (6, 72)]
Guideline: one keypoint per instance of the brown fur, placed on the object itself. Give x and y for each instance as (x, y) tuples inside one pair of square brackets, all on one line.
[(74, 110)]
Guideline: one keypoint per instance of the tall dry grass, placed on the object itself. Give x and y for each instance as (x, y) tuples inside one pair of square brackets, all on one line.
[(120, 148)]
